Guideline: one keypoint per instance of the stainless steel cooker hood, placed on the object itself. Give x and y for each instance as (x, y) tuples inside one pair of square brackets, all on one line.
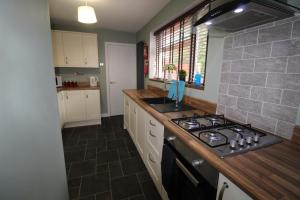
[(235, 15)]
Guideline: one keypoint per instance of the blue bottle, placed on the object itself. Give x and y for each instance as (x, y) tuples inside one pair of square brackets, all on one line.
[(197, 79)]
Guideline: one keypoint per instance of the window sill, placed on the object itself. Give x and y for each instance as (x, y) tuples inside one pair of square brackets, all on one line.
[(188, 85)]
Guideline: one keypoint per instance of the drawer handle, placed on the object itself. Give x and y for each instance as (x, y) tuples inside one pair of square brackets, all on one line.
[(149, 156), (151, 123), (225, 185), (188, 174), (151, 134)]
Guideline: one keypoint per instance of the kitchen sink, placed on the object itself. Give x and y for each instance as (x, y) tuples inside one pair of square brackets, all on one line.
[(164, 105)]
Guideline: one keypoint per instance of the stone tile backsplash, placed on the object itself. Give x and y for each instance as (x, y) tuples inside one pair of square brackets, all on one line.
[(260, 80)]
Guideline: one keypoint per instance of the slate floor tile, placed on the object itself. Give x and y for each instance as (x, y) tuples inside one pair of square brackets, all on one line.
[(91, 154), (95, 184), (139, 197), (91, 197), (104, 196), (82, 168), (102, 168), (115, 169), (133, 165), (116, 144), (125, 187), (74, 182), (150, 191), (74, 156), (107, 156), (73, 192), (143, 176)]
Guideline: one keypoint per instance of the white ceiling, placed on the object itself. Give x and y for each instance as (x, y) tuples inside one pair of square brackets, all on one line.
[(122, 15)]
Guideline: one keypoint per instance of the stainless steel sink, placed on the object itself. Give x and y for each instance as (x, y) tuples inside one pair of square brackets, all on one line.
[(164, 105)]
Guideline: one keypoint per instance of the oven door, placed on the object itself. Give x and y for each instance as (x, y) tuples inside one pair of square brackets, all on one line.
[(181, 180)]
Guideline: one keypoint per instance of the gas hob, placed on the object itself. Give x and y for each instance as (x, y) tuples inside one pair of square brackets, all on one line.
[(224, 136)]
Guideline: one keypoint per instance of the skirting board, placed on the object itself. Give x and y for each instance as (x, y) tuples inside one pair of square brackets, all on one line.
[(82, 123)]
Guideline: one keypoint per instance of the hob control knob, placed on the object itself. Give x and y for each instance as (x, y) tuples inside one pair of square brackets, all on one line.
[(241, 142), (233, 144), (249, 140), (256, 138)]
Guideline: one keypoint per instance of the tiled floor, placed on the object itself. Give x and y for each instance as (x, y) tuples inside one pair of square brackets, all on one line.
[(102, 163)]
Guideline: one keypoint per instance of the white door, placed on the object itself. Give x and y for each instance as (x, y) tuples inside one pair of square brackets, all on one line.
[(90, 48), (75, 108), (72, 43), (92, 104), (121, 74)]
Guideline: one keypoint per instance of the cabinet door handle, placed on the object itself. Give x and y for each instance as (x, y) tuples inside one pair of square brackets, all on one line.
[(85, 60), (151, 134), (67, 97), (66, 59), (149, 156), (152, 124), (221, 194), (87, 96)]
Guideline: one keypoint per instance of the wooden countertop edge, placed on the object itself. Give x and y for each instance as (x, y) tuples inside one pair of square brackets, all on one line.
[(244, 183), (77, 88)]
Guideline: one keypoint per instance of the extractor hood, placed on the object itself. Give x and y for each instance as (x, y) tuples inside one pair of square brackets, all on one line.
[(235, 15)]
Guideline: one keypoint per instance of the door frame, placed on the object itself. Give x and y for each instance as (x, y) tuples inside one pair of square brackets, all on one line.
[(107, 71)]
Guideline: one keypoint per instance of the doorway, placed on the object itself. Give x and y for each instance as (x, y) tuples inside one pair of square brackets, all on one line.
[(120, 74)]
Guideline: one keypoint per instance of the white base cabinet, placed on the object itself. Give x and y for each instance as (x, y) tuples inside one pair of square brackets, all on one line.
[(147, 134), (229, 191), (79, 106)]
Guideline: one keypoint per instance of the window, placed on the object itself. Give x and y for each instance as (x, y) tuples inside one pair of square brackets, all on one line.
[(184, 46)]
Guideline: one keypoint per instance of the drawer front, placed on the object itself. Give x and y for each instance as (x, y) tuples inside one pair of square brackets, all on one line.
[(154, 135), (153, 165)]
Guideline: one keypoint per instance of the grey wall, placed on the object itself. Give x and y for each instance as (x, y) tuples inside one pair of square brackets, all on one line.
[(214, 52), (104, 35), (260, 81), (31, 152)]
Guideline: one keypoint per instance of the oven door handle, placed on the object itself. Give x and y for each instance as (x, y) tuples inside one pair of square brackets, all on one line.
[(188, 174)]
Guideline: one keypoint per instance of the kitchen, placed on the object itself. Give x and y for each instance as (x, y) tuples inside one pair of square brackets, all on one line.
[(87, 117)]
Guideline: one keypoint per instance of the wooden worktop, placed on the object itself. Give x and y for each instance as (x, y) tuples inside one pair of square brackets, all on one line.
[(79, 87), (266, 174)]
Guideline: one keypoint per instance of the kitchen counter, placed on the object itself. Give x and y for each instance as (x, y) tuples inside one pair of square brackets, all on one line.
[(80, 87), (268, 173)]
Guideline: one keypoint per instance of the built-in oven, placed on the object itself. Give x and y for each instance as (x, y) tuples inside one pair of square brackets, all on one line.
[(185, 175)]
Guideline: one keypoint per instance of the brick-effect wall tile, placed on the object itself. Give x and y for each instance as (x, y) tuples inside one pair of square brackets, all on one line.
[(293, 64), (285, 129), (281, 32), (270, 95), (255, 79), (239, 90), (263, 123), (270, 65), (245, 39), (260, 80), (257, 51), (236, 114), (284, 113), (286, 48), (249, 105), (242, 66), (291, 98), (284, 81)]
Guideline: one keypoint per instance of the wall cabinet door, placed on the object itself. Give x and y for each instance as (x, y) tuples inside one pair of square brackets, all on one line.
[(75, 108), (72, 44), (229, 191), (57, 49), (92, 104), (90, 50)]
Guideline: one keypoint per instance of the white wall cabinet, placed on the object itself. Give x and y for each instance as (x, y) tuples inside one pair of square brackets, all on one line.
[(147, 134), (74, 49), (229, 191), (80, 107)]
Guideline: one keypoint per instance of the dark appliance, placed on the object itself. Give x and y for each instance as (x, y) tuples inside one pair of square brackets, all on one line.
[(142, 63), (225, 137), (236, 15), (186, 176)]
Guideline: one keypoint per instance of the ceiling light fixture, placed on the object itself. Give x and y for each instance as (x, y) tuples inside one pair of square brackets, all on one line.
[(238, 10), (208, 23), (86, 14)]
